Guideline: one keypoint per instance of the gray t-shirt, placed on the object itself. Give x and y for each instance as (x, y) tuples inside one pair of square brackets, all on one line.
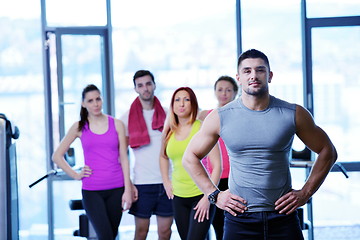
[(259, 146)]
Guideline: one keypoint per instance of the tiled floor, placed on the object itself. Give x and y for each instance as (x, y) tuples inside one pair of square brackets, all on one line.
[(337, 233), (320, 233)]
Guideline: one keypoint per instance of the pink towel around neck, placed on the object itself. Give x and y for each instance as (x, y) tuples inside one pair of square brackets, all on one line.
[(138, 133)]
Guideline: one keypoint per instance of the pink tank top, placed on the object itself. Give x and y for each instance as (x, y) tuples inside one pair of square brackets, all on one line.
[(101, 154), (225, 159)]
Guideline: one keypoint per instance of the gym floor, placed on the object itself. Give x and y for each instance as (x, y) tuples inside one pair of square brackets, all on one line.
[(320, 233)]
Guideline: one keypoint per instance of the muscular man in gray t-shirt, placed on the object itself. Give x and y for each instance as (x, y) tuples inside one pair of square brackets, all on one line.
[(258, 130)]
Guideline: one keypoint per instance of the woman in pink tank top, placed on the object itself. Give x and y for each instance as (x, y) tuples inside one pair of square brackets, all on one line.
[(226, 90), (106, 185)]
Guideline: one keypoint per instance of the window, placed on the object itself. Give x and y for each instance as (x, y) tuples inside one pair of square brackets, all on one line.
[(75, 13), (22, 101), (332, 8), (187, 43), (336, 86)]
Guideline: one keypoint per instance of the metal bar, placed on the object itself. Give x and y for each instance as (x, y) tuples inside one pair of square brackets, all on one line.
[(81, 30), (108, 61), (307, 60), (3, 181), (48, 120), (238, 27), (334, 21)]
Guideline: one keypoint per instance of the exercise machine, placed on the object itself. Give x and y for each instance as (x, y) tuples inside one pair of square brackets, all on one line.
[(85, 227), (9, 203)]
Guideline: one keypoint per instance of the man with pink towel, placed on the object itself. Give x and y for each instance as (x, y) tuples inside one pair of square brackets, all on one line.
[(144, 124)]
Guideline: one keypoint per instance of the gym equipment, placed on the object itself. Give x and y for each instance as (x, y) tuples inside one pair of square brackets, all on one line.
[(9, 203), (85, 227)]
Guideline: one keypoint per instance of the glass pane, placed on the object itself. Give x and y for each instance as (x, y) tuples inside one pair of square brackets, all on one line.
[(66, 221), (332, 8), (78, 13), (82, 65), (187, 43), (22, 101), (30, 10), (342, 192), (274, 28), (336, 88)]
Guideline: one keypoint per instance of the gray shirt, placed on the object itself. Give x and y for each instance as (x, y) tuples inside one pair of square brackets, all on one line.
[(259, 146)]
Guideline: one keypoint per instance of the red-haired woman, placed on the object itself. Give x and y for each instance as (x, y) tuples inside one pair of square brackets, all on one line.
[(192, 210)]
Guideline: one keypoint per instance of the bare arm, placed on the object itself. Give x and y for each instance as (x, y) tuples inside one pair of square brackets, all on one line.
[(319, 142), (200, 145), (202, 142), (214, 155), (58, 155), (165, 130), (124, 161), (135, 194), (165, 164), (216, 164), (125, 118), (203, 206)]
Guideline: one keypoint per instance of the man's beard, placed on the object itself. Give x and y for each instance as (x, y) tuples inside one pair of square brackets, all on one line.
[(258, 92), (147, 98)]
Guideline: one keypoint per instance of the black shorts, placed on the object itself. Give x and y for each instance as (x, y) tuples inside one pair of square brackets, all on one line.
[(152, 200)]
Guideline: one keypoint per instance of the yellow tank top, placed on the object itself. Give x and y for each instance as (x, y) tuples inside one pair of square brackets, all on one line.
[(183, 185)]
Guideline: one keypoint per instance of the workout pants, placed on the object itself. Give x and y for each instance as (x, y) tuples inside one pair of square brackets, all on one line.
[(104, 211), (187, 226)]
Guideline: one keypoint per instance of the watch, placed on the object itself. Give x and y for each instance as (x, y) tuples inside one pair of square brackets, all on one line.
[(213, 196)]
